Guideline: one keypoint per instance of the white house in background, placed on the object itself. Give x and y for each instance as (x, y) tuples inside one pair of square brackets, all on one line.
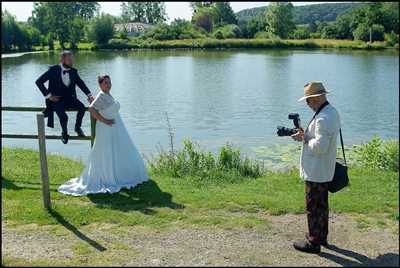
[(133, 28)]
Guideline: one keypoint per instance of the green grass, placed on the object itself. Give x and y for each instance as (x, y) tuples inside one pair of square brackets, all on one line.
[(212, 43), (165, 200), (205, 43)]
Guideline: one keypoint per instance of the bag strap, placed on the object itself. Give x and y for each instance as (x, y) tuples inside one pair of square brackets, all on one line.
[(341, 142), (317, 112)]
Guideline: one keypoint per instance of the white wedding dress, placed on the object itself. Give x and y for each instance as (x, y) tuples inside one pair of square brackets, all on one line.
[(114, 162)]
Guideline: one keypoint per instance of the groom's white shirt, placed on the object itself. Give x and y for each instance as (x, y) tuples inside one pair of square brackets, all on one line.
[(65, 79)]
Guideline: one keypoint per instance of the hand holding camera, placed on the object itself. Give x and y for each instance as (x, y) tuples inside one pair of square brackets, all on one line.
[(284, 131), (297, 133)]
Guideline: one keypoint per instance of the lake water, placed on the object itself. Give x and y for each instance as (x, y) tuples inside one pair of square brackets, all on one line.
[(214, 97)]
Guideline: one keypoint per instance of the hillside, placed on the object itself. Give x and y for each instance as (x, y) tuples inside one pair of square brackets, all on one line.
[(306, 14)]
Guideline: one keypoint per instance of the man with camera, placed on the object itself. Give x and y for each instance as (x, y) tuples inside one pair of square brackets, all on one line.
[(317, 164)]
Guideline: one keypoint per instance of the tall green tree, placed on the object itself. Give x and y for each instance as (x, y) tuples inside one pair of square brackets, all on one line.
[(279, 18), (8, 29), (390, 19), (204, 17), (155, 12), (145, 12), (14, 35), (198, 5), (101, 29), (343, 26), (87, 9), (251, 27), (224, 14), (372, 16), (133, 11), (63, 19)]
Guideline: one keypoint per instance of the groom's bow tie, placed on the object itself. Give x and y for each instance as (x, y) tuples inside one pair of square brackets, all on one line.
[(66, 71)]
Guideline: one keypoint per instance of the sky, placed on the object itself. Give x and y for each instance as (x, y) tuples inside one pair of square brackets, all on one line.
[(23, 10)]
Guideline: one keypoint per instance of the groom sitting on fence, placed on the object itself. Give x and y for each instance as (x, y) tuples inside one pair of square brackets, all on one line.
[(61, 94)]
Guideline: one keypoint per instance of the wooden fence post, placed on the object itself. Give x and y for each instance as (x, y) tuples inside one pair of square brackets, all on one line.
[(43, 161), (92, 130)]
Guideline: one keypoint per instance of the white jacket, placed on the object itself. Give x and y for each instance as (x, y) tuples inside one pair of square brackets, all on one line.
[(318, 155)]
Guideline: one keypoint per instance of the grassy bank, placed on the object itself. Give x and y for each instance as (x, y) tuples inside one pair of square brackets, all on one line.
[(210, 43), (167, 200)]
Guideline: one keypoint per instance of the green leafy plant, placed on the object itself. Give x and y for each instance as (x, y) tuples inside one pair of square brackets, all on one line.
[(378, 154), (202, 166)]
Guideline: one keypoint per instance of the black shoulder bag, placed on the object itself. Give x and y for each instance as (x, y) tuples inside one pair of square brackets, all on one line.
[(340, 178)]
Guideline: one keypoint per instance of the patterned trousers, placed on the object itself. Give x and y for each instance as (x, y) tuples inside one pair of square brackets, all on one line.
[(317, 211)]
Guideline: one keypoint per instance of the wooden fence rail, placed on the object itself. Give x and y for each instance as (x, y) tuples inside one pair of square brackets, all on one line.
[(41, 136), (51, 137)]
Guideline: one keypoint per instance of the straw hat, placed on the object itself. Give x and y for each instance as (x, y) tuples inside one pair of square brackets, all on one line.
[(313, 89)]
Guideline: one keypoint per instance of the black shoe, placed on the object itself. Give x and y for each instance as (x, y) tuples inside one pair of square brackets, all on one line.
[(64, 137), (323, 243), (79, 131), (307, 246)]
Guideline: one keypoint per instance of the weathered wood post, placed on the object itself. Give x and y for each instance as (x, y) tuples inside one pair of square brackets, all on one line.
[(43, 161), (92, 129)]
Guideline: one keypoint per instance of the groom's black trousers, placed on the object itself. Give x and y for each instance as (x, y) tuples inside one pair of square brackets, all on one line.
[(68, 103)]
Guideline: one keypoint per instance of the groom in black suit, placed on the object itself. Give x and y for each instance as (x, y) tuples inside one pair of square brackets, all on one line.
[(61, 93)]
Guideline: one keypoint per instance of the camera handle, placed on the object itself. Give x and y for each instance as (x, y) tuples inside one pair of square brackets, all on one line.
[(296, 123)]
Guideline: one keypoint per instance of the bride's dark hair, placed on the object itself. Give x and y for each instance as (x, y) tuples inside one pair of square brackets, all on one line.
[(101, 78)]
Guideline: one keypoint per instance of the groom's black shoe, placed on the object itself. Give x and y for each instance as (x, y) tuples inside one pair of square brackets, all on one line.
[(79, 131), (323, 243), (64, 137), (307, 246)]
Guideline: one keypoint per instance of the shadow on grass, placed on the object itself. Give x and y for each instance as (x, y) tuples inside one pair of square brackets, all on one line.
[(11, 185), (141, 198), (60, 219), (388, 259)]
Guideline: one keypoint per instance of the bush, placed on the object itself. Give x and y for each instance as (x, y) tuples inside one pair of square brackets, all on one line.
[(193, 163), (392, 39), (161, 32), (362, 32), (300, 33), (251, 27), (101, 29), (227, 31), (179, 29), (315, 35), (118, 43), (218, 34), (378, 154), (265, 35), (329, 32), (122, 34)]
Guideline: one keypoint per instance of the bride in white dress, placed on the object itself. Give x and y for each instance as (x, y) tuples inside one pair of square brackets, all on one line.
[(114, 162)]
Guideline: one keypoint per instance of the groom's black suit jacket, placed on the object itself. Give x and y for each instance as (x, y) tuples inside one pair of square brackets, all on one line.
[(57, 88)]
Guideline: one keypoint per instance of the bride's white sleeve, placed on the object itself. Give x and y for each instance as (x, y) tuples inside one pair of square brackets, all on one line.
[(101, 102)]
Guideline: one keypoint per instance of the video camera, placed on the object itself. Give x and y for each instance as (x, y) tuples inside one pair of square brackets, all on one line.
[(284, 131)]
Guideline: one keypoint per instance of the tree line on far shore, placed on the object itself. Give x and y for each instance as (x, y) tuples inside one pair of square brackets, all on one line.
[(70, 23)]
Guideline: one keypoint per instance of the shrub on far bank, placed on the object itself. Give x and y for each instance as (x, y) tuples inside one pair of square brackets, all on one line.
[(392, 39), (362, 32), (178, 29), (378, 154), (227, 31), (265, 35), (300, 33)]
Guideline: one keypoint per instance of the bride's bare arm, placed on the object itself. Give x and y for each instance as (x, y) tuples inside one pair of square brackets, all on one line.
[(99, 117)]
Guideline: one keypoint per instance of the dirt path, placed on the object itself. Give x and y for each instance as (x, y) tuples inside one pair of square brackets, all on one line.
[(178, 246)]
